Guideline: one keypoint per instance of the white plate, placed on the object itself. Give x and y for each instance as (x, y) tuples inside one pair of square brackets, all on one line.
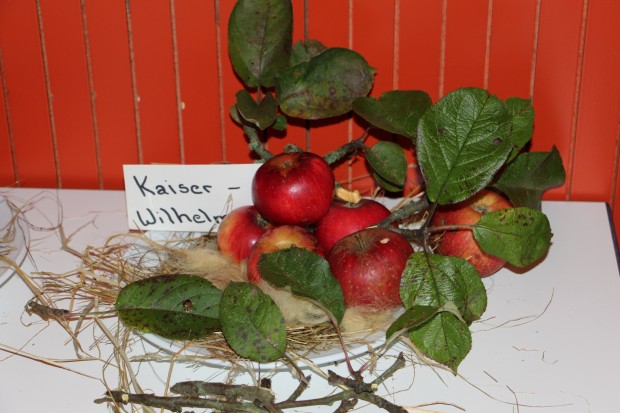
[(357, 346), (14, 240), (332, 356)]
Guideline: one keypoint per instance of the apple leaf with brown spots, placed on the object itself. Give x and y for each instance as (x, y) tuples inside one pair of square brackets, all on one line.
[(252, 323), (260, 36), (462, 141), (324, 86), (178, 306), (521, 235)]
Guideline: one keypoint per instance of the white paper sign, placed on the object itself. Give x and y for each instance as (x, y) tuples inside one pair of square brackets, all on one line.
[(185, 197)]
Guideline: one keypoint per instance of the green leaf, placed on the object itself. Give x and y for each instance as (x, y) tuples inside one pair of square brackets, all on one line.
[(522, 114), (252, 323), (529, 175), (304, 51), (262, 114), (412, 317), (388, 160), (386, 185), (445, 339), (260, 40), (521, 235), (178, 307), (436, 280), (397, 111), (307, 275), (325, 86), (462, 142)]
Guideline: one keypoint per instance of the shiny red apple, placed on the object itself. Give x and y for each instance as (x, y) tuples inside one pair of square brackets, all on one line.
[(368, 265), (278, 238), (344, 218), (238, 232), (293, 188), (461, 242)]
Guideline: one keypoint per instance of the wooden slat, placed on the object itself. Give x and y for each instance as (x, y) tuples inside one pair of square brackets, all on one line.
[(329, 23), (198, 74), (68, 84), (465, 44), (27, 96), (155, 78), (511, 48), (7, 170), (112, 84), (380, 17), (599, 105), (236, 144), (554, 97), (420, 46)]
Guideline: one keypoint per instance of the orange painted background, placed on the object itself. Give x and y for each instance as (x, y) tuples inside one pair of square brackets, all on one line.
[(89, 85)]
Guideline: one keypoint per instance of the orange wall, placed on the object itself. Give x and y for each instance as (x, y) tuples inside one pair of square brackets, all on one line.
[(87, 86)]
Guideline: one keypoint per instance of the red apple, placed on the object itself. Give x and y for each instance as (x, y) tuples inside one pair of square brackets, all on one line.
[(238, 232), (368, 265), (345, 218), (278, 238), (461, 242), (293, 188)]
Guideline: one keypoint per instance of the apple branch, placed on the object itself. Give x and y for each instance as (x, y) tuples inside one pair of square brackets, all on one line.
[(346, 150), (255, 144), (412, 208), (254, 399)]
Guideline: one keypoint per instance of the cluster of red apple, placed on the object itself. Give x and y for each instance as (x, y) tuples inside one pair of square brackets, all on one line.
[(294, 205)]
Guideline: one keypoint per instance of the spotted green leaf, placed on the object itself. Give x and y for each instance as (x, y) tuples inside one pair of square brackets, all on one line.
[(260, 40), (324, 86), (521, 235), (463, 140), (252, 323), (178, 307)]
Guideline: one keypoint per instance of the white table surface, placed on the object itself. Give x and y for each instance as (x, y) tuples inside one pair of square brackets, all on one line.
[(548, 342)]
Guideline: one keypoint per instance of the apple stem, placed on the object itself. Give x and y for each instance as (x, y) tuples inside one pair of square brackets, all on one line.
[(340, 339), (451, 227)]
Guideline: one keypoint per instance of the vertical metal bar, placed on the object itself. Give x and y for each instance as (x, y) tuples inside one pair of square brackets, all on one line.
[(50, 95), (92, 93)]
